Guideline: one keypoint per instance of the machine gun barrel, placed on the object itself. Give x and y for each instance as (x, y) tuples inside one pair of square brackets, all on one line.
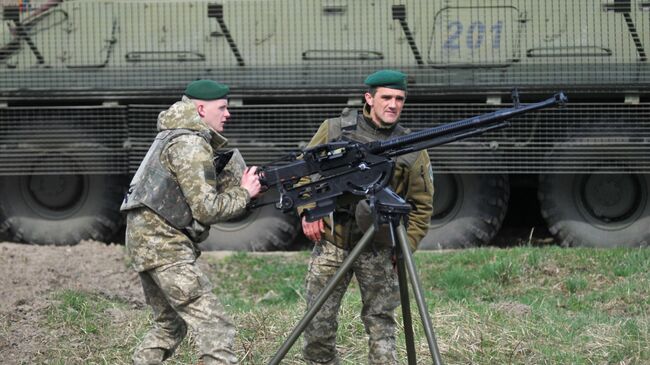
[(363, 168), (476, 125)]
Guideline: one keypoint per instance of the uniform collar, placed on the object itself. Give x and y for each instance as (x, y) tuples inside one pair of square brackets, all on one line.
[(217, 140)]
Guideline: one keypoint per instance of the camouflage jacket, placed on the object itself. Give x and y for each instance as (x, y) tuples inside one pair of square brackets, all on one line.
[(412, 180), (151, 241)]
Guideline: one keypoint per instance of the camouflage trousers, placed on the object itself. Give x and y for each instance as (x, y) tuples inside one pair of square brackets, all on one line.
[(380, 295), (180, 296)]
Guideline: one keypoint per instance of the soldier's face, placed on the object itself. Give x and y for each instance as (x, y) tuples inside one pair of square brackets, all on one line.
[(214, 113), (386, 105)]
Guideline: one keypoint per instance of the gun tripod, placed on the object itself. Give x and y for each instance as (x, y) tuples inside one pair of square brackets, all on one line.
[(390, 209)]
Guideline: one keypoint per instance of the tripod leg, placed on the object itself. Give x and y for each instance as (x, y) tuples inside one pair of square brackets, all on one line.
[(419, 297), (322, 297), (406, 309)]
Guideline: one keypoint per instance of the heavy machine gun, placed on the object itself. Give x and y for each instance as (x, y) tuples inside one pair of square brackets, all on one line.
[(364, 169)]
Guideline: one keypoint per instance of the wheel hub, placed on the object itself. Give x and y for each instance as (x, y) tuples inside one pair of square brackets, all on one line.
[(54, 196), (610, 198), (447, 197)]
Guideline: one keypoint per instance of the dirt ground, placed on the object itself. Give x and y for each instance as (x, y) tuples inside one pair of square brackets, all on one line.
[(29, 273)]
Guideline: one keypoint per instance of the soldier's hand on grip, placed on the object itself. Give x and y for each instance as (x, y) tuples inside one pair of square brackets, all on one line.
[(250, 181), (313, 230)]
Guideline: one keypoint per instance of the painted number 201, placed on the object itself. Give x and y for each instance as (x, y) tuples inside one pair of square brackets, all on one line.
[(474, 35)]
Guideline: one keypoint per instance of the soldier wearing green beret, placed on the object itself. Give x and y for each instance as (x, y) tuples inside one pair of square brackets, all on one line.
[(174, 197), (335, 236)]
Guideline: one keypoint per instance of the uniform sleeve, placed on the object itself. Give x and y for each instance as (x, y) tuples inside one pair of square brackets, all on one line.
[(190, 160), (321, 135), (319, 138), (420, 196)]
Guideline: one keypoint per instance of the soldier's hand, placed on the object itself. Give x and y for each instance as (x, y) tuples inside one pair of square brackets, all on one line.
[(313, 230), (250, 181)]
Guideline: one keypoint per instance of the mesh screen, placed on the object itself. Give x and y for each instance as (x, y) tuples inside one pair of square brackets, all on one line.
[(291, 64), (63, 140), (582, 138)]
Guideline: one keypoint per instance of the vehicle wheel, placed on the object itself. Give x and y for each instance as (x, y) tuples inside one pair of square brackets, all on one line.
[(596, 210), (468, 210), (262, 229), (60, 209)]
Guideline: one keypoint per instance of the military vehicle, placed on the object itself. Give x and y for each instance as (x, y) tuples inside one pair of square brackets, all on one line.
[(82, 82)]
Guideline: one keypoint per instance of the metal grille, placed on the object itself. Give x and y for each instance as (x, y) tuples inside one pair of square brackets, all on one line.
[(297, 46), (113, 140), (580, 138), (63, 140)]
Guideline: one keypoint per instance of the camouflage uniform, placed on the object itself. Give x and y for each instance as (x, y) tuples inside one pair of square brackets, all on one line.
[(374, 269), (163, 253)]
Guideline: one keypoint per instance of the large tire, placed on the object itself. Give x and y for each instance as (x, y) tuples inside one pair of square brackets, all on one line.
[(261, 229), (596, 210), (60, 209), (468, 210)]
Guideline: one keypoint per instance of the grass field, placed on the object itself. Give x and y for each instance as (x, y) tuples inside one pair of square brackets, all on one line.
[(525, 305)]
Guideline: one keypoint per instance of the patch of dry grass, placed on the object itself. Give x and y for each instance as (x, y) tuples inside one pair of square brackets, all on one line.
[(488, 306)]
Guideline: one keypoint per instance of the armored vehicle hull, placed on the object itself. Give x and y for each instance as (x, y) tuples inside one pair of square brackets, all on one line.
[(82, 82)]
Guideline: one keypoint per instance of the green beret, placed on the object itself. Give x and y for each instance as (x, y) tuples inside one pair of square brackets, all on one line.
[(387, 78), (206, 90)]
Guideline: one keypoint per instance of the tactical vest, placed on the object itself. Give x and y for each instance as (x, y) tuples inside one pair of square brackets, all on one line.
[(154, 187), (347, 126)]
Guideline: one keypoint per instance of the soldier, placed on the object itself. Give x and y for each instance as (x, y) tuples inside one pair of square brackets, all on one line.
[(334, 236), (174, 197)]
